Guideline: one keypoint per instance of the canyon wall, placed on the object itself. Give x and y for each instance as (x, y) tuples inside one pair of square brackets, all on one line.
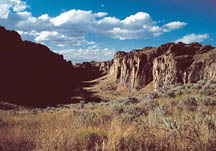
[(165, 65), (31, 73)]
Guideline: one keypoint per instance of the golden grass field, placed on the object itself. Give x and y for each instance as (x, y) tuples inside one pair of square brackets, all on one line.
[(180, 118)]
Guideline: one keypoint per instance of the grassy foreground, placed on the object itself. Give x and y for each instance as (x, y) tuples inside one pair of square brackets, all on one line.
[(178, 118)]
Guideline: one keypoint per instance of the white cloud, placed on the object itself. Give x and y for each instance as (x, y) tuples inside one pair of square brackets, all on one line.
[(123, 34), (139, 25), (46, 35), (193, 38), (15, 5), (173, 26), (24, 15), (70, 28), (73, 17), (19, 5), (91, 53), (109, 21), (101, 14), (44, 17), (54, 38), (79, 23), (91, 43), (139, 18), (4, 11)]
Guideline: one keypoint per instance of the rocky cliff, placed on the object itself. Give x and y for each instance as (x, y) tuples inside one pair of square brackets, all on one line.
[(133, 69), (92, 70), (31, 73), (165, 65), (183, 64)]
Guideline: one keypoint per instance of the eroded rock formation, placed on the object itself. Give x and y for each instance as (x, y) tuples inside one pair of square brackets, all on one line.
[(165, 65), (184, 64), (132, 69)]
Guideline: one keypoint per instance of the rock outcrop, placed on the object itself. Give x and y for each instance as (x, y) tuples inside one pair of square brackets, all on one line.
[(165, 65), (31, 73), (105, 66), (92, 70), (184, 64), (132, 69)]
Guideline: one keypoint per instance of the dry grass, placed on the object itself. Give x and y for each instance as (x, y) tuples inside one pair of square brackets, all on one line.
[(144, 123), (107, 89)]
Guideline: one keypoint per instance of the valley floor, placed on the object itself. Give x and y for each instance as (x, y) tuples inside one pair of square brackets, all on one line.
[(181, 117)]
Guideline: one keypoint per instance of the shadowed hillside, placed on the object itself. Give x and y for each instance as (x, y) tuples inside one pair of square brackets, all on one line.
[(31, 74)]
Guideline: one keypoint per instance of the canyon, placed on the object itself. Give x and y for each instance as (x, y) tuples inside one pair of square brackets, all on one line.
[(31, 71)]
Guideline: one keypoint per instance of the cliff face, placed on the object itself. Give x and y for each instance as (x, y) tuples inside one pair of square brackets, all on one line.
[(92, 70), (31, 73), (184, 64), (132, 69), (105, 66), (165, 65)]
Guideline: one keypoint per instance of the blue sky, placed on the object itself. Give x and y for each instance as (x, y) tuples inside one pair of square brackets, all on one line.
[(95, 29)]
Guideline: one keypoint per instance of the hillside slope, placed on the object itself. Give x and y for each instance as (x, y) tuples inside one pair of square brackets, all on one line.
[(31, 73)]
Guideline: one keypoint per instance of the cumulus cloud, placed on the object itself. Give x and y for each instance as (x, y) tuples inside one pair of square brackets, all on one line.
[(78, 23), (140, 18), (193, 38), (44, 17), (55, 38), (19, 5), (90, 53), (73, 17), (101, 14), (15, 5), (70, 28), (139, 25), (173, 25), (4, 11)]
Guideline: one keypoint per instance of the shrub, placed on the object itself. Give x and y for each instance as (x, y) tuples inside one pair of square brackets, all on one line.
[(90, 140), (20, 145), (199, 84), (190, 102), (150, 96), (209, 89), (117, 108), (94, 118), (208, 101), (171, 93), (129, 143), (154, 95), (131, 100), (171, 124), (82, 104)]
